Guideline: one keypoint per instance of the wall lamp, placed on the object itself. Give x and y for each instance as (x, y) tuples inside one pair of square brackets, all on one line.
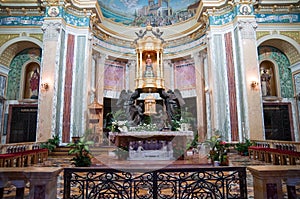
[(44, 86), (254, 84)]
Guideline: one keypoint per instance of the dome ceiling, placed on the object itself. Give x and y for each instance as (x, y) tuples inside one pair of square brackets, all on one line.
[(140, 13)]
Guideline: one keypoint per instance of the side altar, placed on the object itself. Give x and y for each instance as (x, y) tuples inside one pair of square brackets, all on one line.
[(153, 145)]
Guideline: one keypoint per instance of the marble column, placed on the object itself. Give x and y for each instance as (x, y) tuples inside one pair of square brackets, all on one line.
[(130, 74), (50, 64), (250, 66), (199, 58), (100, 61)]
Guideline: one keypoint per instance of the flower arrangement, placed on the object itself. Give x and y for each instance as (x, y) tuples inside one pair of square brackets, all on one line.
[(116, 121), (146, 127), (119, 126)]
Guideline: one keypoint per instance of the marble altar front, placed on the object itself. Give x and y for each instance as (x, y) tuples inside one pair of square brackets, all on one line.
[(153, 145)]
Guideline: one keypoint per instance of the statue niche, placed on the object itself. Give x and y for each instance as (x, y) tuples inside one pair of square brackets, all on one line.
[(148, 67)]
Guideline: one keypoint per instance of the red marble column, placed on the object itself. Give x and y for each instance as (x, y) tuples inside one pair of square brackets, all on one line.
[(231, 87), (68, 89)]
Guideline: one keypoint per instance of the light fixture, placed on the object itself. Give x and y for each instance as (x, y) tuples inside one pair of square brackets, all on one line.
[(206, 89), (254, 84), (44, 86)]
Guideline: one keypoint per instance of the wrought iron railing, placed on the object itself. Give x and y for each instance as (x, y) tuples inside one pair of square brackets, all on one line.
[(166, 183)]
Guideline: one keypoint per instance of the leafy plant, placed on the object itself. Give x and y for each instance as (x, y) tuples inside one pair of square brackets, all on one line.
[(51, 143), (82, 152), (186, 116), (218, 148), (213, 141), (242, 147), (113, 119)]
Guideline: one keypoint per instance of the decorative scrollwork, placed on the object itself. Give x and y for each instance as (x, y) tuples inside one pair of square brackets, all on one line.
[(215, 182)]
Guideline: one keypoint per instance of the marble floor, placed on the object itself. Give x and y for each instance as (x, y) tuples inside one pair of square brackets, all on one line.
[(235, 160)]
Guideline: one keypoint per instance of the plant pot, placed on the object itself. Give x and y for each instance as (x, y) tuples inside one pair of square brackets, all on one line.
[(212, 155), (75, 139), (181, 157), (224, 162), (216, 163)]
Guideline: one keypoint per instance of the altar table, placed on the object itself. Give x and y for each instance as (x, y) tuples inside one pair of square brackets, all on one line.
[(173, 141)]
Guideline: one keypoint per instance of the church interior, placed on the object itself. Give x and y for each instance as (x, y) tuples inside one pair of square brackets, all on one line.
[(158, 79)]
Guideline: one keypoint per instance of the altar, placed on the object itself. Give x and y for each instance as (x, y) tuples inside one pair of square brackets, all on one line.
[(153, 145)]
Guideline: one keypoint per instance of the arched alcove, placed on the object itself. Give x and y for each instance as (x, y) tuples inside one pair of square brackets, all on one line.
[(31, 81), (268, 78)]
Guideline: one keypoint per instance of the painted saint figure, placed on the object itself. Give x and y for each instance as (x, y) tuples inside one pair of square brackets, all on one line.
[(34, 84), (149, 67)]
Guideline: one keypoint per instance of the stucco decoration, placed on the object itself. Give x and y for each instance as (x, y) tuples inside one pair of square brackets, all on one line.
[(51, 30), (21, 20), (277, 18)]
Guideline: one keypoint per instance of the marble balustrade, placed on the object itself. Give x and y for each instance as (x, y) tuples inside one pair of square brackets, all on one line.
[(267, 180), (43, 181)]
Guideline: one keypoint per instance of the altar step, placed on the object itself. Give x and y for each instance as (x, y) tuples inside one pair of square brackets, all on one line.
[(62, 151), (102, 150)]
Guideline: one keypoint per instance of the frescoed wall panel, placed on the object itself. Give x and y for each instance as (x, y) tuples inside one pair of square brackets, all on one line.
[(114, 75), (185, 76)]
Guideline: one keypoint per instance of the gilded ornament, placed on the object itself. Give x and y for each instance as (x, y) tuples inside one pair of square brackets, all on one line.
[(261, 34), (4, 38), (295, 35)]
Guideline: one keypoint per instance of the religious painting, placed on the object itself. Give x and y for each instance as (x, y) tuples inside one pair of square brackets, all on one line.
[(185, 75), (114, 75), (148, 12), (32, 81)]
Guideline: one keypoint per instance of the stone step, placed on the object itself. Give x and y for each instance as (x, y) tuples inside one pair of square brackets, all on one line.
[(63, 150)]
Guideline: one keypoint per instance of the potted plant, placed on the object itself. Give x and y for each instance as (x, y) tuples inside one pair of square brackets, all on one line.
[(242, 147), (218, 149), (82, 153), (51, 143)]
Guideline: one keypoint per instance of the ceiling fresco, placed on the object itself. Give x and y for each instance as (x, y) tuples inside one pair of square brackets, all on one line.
[(143, 12)]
